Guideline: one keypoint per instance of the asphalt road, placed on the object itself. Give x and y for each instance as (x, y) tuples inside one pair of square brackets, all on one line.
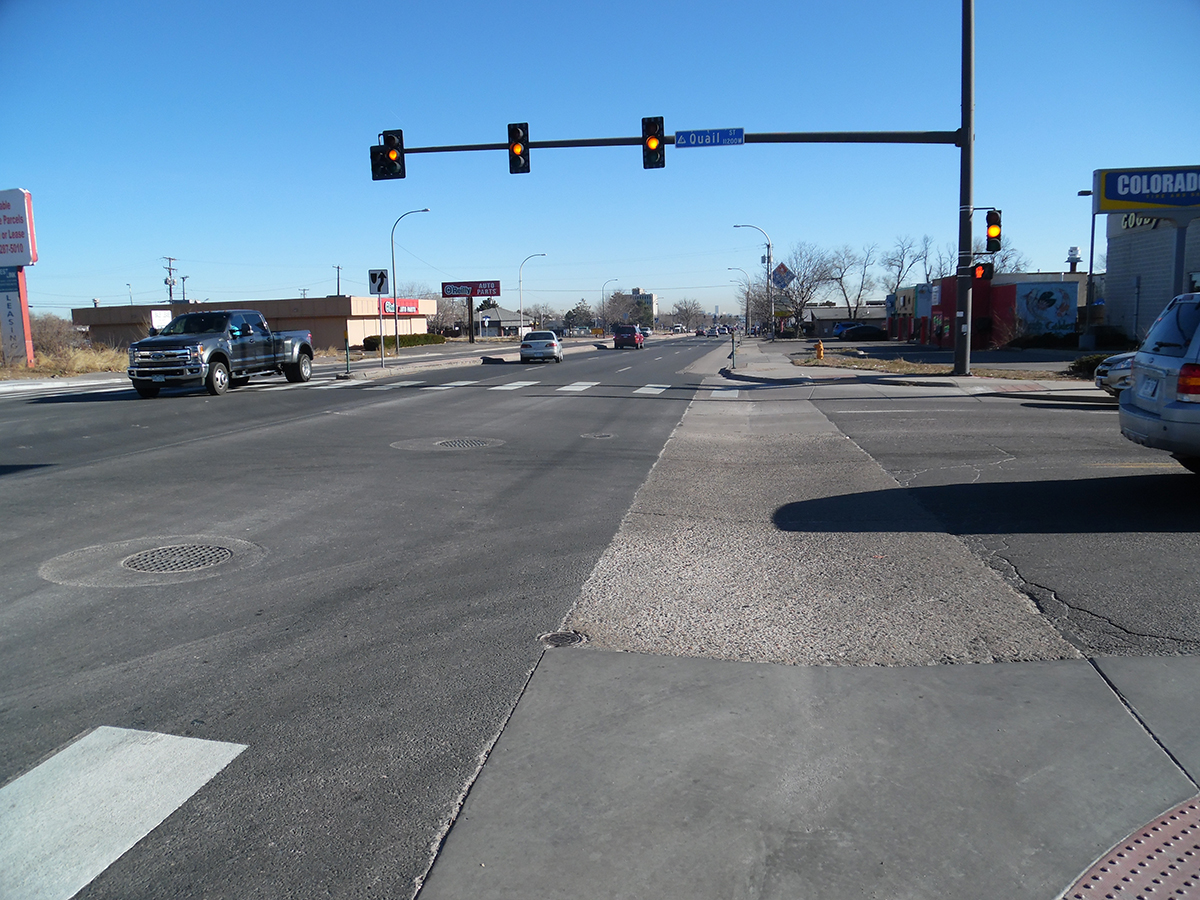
[(374, 617)]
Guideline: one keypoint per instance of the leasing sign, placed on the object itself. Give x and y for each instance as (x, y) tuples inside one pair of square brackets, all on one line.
[(1175, 189), (18, 246)]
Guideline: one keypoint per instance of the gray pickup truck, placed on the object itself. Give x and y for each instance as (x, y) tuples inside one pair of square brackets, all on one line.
[(219, 349)]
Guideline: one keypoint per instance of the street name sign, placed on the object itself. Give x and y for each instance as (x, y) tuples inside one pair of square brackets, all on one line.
[(711, 137)]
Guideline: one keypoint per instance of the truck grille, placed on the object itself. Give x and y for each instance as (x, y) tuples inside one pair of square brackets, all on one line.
[(169, 363)]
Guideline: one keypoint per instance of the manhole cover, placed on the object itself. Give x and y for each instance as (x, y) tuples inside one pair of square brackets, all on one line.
[(179, 558), (465, 443), (561, 638), (1161, 859)]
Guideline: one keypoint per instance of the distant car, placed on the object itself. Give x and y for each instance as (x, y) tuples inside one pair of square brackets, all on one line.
[(863, 333), (541, 345), (646, 332), (699, 332), (712, 332), (676, 329), (842, 326), (1113, 374), (722, 330), (1161, 406), (628, 336)]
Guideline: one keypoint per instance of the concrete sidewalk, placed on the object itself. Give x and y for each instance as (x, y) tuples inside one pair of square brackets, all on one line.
[(768, 706)]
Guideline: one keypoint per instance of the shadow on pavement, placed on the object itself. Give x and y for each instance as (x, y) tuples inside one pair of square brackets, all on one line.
[(1139, 503)]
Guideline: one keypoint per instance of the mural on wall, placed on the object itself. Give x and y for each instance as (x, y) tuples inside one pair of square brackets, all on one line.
[(1047, 307)]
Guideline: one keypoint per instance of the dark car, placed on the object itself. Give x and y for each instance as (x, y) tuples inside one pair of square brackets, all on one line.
[(628, 336), (863, 333)]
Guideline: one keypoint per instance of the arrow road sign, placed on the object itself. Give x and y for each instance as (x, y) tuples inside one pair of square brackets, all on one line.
[(379, 280)]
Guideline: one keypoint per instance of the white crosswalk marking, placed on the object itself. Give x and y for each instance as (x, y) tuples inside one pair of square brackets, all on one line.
[(652, 389), (69, 819), (396, 384), (324, 387), (449, 385), (579, 386), (513, 386), (268, 386), (724, 394)]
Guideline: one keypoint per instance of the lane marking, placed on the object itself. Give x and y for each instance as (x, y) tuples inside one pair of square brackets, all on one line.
[(657, 358), (579, 386), (514, 385), (653, 389), (626, 369), (449, 385), (69, 819)]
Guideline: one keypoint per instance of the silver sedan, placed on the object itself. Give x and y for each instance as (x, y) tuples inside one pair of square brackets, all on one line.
[(541, 345)]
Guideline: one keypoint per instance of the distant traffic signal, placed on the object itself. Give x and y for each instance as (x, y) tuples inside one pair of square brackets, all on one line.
[(984, 271), (387, 159), (993, 230), (518, 148), (654, 154)]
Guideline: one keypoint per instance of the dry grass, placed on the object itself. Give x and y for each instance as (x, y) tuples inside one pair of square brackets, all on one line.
[(69, 362), (838, 360)]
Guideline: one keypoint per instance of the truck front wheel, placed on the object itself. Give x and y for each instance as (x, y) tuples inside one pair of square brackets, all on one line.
[(301, 371), (217, 381)]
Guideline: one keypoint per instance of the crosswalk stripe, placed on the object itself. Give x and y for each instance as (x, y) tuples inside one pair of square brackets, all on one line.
[(579, 386), (448, 386), (69, 819), (652, 389), (724, 394), (513, 386), (325, 387), (394, 384)]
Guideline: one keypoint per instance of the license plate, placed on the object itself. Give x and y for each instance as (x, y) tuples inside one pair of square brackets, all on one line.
[(1148, 388), (158, 377)]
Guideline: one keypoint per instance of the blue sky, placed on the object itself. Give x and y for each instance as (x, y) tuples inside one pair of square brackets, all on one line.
[(234, 136)]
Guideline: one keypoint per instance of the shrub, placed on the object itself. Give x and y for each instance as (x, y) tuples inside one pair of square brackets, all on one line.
[(53, 335), (1085, 366), (371, 341)]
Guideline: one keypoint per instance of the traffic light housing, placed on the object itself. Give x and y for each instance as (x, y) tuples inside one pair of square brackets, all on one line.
[(993, 230), (654, 151), (387, 158), (518, 148), (984, 271)]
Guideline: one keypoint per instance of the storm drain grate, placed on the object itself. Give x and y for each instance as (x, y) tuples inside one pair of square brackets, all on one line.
[(1159, 860), (467, 443), (178, 558), (561, 638), (597, 436)]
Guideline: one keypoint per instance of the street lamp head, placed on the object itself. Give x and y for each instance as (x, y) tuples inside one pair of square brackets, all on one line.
[(1085, 193)]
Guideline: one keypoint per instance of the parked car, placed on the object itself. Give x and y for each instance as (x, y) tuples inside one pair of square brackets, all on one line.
[(842, 326), (1161, 407), (863, 333), (628, 336), (541, 345), (1112, 375)]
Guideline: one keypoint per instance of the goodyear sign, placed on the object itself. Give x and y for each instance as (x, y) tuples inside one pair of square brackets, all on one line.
[(1168, 188)]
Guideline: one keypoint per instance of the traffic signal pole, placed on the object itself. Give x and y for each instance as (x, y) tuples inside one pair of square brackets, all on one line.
[(962, 311)]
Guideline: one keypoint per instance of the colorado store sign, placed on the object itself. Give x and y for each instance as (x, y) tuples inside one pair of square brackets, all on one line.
[(1126, 190)]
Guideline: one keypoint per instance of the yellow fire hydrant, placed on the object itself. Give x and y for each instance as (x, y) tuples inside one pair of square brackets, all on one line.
[(820, 350)]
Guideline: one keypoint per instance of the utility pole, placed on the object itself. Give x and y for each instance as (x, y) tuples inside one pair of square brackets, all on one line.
[(169, 281), (303, 293), (339, 280), (962, 310), (184, 278)]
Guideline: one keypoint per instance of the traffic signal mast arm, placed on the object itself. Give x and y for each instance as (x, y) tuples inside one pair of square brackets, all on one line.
[(797, 137)]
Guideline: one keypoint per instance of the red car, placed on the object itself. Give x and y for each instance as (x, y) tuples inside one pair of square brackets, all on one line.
[(628, 336)]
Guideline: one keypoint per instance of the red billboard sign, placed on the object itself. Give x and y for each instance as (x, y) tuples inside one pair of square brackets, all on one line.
[(470, 288), (401, 306)]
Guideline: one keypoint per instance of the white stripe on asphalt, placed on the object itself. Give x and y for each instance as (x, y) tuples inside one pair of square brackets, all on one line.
[(579, 386), (290, 386), (448, 385), (513, 386), (346, 382), (652, 389), (396, 384), (69, 819), (626, 369), (724, 394)]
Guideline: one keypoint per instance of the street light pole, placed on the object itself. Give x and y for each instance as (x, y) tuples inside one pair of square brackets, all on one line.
[(521, 293), (1088, 338), (602, 287), (394, 312), (747, 274), (769, 297)]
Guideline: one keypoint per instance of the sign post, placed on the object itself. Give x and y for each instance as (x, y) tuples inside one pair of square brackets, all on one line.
[(378, 279), (18, 248)]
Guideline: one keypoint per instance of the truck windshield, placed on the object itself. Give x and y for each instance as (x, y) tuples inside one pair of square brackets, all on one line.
[(197, 323)]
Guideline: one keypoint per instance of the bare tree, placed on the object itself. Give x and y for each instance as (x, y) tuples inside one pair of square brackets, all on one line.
[(811, 266), (850, 275), (899, 262), (1007, 259), (946, 262), (615, 308), (687, 312), (926, 256)]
